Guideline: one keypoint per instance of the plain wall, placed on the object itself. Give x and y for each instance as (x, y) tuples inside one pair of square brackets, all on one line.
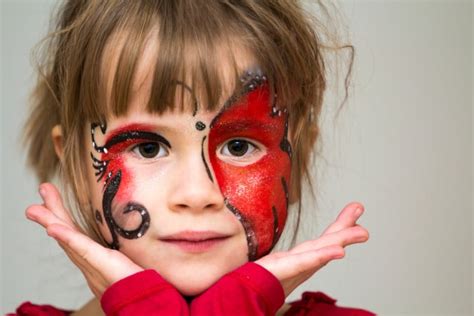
[(402, 145)]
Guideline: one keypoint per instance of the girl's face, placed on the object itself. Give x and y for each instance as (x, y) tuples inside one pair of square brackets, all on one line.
[(193, 194)]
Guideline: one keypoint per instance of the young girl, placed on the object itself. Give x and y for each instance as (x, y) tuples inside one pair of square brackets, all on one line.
[(182, 130)]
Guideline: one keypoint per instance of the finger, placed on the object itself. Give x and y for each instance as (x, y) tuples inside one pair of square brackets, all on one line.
[(93, 254), (42, 216), (95, 280), (299, 263), (87, 269), (347, 218), (78, 243), (343, 238), (53, 201)]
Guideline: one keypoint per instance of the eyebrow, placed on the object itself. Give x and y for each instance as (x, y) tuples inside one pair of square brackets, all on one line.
[(134, 131)]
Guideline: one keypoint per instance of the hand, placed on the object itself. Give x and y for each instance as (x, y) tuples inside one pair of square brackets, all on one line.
[(100, 266), (295, 266)]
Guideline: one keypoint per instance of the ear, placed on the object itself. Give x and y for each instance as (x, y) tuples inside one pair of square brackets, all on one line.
[(57, 136)]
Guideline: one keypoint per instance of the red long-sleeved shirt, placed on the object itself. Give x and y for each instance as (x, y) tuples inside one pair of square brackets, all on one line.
[(248, 290)]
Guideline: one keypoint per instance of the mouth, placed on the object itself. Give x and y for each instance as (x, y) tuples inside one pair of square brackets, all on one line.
[(195, 241)]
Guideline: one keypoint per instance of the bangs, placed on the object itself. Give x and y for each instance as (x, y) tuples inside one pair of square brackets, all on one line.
[(192, 63), (111, 48), (100, 52)]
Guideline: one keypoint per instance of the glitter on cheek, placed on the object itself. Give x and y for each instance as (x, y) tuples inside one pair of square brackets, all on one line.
[(125, 191), (123, 219), (122, 215), (256, 193)]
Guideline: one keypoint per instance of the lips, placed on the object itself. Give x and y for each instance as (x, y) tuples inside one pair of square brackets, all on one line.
[(195, 241), (194, 236)]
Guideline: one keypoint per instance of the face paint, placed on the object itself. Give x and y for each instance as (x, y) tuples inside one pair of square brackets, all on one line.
[(200, 126), (118, 184), (256, 193)]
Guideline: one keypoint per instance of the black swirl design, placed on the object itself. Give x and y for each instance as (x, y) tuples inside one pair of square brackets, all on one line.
[(111, 190), (100, 166), (112, 184)]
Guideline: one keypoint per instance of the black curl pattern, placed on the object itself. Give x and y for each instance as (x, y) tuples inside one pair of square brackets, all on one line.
[(111, 190)]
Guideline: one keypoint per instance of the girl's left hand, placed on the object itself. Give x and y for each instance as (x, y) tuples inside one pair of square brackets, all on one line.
[(295, 266), (100, 266)]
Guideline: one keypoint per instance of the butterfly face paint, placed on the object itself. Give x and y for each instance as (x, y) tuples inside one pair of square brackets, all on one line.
[(257, 193), (116, 202)]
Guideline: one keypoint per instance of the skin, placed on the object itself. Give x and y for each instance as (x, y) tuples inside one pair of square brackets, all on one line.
[(175, 188), (256, 190), (177, 201)]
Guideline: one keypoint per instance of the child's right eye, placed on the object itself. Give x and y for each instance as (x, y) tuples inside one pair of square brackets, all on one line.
[(150, 150)]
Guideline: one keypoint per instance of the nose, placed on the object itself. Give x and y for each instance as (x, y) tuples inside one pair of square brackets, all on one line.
[(192, 188)]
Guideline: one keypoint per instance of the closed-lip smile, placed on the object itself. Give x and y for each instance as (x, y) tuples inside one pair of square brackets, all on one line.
[(195, 241)]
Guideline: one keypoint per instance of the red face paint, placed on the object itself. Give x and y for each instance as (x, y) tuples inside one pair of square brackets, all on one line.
[(118, 179), (116, 144), (257, 193)]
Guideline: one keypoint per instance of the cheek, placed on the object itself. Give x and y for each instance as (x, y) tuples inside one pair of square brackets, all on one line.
[(123, 213), (115, 164), (257, 194), (143, 185)]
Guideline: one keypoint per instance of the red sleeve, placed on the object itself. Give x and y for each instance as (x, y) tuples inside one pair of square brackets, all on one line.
[(143, 293), (319, 304), (29, 309), (248, 290)]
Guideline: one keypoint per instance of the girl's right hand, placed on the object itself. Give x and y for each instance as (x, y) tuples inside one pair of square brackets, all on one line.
[(100, 266)]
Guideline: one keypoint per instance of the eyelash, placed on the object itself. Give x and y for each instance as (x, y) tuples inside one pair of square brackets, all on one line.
[(161, 147), (254, 149)]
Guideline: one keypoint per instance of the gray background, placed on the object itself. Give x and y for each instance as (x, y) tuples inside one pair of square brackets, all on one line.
[(402, 146)]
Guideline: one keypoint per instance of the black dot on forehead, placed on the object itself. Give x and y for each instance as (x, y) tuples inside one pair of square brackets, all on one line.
[(200, 125)]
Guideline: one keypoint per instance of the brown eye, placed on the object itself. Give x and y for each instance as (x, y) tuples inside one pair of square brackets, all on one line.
[(237, 148), (150, 150)]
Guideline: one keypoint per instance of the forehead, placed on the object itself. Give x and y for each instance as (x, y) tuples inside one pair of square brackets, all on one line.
[(231, 59)]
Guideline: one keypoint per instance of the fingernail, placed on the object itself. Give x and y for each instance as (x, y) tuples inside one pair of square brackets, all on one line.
[(358, 212)]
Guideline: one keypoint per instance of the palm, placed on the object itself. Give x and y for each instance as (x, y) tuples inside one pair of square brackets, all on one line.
[(295, 266), (100, 266)]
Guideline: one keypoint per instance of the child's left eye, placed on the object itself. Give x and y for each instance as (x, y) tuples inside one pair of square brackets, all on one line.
[(150, 150), (238, 148)]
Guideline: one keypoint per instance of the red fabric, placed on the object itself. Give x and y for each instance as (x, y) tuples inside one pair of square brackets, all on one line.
[(29, 309), (143, 293), (319, 304), (249, 290)]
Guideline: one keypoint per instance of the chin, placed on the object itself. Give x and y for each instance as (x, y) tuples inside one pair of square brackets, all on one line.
[(194, 279), (193, 289)]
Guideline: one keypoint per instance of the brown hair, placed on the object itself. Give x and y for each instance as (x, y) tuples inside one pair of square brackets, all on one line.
[(282, 37)]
